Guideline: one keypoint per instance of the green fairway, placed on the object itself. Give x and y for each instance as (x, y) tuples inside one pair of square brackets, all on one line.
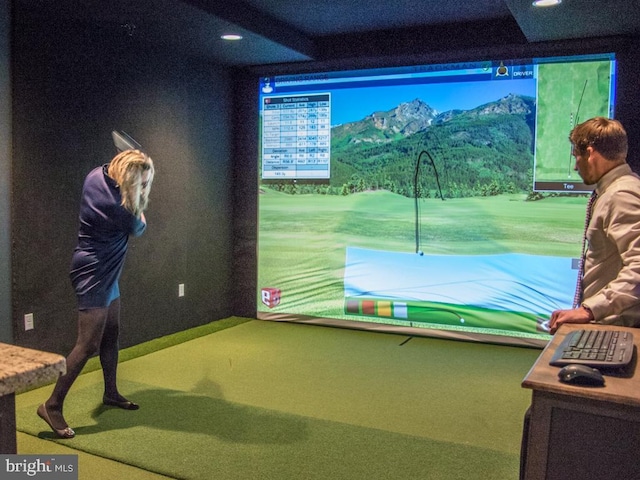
[(303, 238), (562, 105)]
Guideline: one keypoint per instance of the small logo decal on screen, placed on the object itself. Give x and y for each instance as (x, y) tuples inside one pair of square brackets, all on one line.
[(271, 296)]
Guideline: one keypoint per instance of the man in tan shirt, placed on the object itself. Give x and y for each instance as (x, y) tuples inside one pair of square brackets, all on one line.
[(611, 281)]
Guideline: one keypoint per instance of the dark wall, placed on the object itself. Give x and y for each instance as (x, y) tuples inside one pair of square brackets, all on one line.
[(73, 85), (245, 194), (628, 98), (6, 333)]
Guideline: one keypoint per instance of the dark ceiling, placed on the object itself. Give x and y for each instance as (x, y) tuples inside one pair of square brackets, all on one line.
[(284, 31)]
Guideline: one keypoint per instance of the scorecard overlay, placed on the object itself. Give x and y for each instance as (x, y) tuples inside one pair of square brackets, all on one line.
[(296, 137)]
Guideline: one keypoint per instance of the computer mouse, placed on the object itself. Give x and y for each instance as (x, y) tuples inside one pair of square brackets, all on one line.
[(577, 374)]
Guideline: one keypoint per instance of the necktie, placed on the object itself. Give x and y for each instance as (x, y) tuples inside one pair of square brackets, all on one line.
[(577, 298)]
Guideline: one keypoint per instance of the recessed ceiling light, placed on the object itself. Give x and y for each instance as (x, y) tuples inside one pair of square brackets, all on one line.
[(231, 36), (546, 3)]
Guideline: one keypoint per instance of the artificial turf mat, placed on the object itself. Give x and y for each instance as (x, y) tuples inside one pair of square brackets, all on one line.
[(284, 401)]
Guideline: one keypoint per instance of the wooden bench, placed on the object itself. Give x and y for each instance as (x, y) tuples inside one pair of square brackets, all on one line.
[(22, 369)]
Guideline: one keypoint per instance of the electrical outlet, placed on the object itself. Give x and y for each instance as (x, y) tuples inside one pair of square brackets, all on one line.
[(181, 290), (28, 321)]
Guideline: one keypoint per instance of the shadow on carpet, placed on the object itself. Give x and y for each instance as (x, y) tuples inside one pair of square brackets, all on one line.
[(193, 436)]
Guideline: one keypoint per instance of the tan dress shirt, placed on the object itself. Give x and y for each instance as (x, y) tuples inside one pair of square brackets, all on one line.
[(612, 263)]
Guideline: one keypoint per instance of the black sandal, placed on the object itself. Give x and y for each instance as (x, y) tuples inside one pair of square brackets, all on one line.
[(126, 404)]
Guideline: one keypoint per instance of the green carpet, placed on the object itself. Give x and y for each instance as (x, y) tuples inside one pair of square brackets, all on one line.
[(267, 400)]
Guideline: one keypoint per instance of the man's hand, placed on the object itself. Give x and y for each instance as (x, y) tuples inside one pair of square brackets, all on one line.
[(575, 315)]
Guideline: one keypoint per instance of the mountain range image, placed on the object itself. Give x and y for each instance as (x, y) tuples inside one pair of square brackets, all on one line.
[(416, 116), (491, 143), (379, 127)]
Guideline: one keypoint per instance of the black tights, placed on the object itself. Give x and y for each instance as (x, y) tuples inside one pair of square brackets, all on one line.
[(98, 330)]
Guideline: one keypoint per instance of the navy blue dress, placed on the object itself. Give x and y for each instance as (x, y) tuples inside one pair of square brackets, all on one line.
[(105, 226)]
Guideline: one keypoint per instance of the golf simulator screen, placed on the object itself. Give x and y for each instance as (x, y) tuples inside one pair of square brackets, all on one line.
[(435, 199)]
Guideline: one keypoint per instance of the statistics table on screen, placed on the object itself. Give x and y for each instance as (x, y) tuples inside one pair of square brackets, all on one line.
[(296, 137)]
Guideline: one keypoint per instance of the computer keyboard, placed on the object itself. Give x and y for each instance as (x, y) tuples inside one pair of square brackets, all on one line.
[(596, 348)]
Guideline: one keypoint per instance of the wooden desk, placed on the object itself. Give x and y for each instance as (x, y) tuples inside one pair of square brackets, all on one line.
[(583, 432), (21, 369)]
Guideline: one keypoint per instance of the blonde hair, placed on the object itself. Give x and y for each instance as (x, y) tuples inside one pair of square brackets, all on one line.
[(127, 169), (605, 135)]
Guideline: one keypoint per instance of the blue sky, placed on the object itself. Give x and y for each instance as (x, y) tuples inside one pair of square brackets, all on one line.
[(349, 105)]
